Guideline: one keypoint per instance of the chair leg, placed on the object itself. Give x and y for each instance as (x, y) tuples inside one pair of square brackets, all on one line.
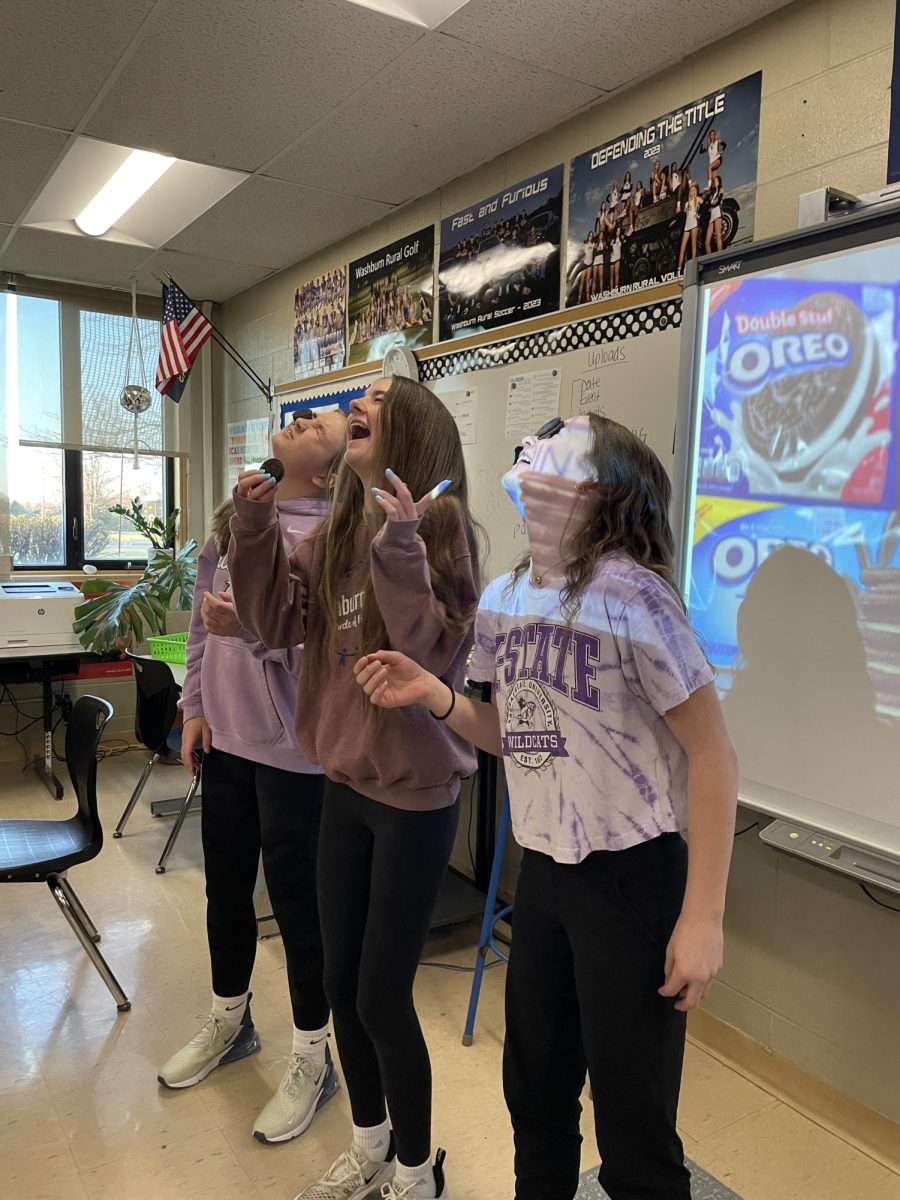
[(80, 910), (61, 891), (487, 924), (135, 796), (179, 821)]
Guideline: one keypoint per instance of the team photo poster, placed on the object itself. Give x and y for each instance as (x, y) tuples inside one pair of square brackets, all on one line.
[(500, 257), (391, 298), (319, 324), (644, 204)]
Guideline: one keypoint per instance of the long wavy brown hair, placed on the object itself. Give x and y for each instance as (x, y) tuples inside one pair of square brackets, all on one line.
[(418, 439), (630, 515)]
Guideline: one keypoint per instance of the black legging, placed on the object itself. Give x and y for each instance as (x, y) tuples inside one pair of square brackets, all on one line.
[(248, 807), (380, 871)]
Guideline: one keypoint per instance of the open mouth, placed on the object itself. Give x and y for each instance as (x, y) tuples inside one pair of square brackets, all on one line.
[(358, 431)]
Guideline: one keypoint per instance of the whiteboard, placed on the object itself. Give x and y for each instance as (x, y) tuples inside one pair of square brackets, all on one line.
[(623, 365)]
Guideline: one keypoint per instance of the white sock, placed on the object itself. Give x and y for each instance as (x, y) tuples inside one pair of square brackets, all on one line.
[(374, 1141), (231, 1009), (421, 1178), (311, 1044)]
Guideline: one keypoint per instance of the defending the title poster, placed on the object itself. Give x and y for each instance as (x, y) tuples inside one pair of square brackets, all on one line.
[(391, 298), (644, 204), (500, 258), (319, 324)]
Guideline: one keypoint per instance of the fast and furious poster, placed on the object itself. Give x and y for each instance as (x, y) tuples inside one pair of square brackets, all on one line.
[(500, 257)]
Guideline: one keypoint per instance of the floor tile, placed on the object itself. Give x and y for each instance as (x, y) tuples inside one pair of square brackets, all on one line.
[(83, 1118)]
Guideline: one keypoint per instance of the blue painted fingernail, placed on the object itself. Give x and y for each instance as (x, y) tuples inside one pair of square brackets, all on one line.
[(389, 471), (376, 490), (380, 499), (440, 489)]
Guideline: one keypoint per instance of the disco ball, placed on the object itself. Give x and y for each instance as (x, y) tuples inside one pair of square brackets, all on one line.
[(135, 399)]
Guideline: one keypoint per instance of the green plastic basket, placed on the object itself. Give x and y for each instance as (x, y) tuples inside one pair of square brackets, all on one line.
[(171, 648)]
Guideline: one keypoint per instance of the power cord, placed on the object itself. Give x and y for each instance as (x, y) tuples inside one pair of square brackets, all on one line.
[(6, 696), (461, 970), (880, 903)]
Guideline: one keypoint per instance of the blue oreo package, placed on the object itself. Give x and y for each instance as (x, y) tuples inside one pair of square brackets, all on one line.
[(798, 392), (735, 539)]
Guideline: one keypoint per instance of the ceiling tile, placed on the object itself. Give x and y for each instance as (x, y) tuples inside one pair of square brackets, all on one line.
[(67, 257), (637, 37), (202, 278), (57, 55), (231, 82), (451, 107), (26, 155), (272, 223)]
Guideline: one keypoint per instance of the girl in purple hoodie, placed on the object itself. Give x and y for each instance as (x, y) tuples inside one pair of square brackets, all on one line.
[(260, 794)]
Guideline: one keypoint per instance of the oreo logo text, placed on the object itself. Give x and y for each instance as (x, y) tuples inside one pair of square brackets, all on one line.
[(735, 558), (754, 362)]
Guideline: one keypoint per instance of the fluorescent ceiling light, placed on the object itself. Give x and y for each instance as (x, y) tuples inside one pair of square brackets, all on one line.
[(137, 174), (427, 13)]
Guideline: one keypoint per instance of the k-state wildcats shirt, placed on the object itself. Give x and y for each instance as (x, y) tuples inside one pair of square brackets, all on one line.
[(590, 762)]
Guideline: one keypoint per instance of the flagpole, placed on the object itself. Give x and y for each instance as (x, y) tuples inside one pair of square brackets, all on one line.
[(235, 355)]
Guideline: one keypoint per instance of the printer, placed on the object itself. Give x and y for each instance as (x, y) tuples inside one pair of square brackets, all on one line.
[(37, 615)]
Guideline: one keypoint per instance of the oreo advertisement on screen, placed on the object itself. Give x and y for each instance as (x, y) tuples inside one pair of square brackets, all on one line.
[(799, 397)]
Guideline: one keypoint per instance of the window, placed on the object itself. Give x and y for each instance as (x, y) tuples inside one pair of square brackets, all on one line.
[(70, 444)]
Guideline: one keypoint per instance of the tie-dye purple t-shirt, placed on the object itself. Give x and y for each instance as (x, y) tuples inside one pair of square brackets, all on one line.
[(590, 762)]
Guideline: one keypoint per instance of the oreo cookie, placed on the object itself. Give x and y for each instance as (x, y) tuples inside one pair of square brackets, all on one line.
[(273, 467), (799, 392), (820, 383)]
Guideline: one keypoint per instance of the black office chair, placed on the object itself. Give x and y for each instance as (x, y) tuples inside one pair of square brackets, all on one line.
[(43, 851), (154, 716)]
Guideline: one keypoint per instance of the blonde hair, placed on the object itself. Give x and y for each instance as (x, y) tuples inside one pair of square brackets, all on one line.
[(220, 525)]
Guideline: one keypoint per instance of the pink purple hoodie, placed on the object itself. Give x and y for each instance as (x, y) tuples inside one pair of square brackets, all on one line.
[(247, 692), (405, 759)]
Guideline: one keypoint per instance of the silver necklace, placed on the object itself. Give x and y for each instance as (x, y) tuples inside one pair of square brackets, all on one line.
[(539, 579)]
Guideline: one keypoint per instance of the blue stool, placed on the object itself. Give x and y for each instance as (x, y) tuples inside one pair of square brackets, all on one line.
[(487, 940)]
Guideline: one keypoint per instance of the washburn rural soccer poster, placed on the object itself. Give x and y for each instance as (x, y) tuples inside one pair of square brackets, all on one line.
[(643, 204), (500, 257), (391, 298)]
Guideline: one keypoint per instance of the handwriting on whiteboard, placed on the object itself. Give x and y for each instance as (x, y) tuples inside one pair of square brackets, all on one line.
[(588, 389)]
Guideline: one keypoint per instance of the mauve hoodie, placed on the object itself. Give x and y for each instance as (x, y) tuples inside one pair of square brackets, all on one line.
[(400, 757), (246, 691)]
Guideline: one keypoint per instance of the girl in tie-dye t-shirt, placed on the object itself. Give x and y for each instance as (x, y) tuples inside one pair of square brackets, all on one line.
[(613, 742)]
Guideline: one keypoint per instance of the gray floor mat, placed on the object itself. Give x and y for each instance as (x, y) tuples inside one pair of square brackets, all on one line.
[(703, 1187)]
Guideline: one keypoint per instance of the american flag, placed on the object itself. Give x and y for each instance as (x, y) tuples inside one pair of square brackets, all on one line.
[(184, 332)]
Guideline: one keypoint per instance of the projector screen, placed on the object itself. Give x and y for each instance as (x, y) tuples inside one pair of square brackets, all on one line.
[(793, 574)]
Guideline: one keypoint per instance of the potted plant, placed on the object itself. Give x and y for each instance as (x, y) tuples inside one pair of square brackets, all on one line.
[(161, 535), (116, 615)]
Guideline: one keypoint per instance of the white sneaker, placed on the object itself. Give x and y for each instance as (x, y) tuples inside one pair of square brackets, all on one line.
[(393, 1190), (304, 1088), (214, 1045), (354, 1176)]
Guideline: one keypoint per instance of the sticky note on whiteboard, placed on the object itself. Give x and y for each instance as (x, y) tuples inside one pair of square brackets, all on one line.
[(463, 407)]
